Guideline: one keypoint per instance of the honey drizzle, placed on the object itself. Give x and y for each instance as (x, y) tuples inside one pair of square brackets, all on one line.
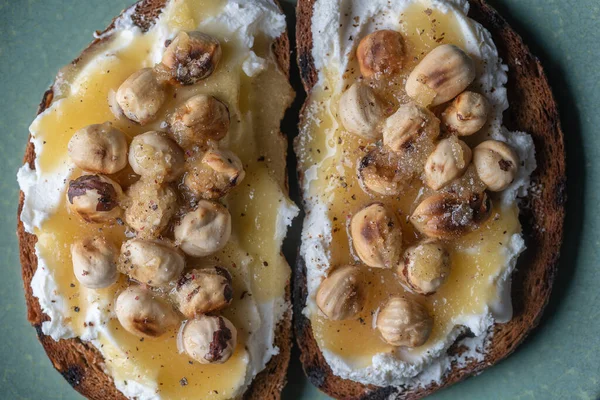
[(475, 258)]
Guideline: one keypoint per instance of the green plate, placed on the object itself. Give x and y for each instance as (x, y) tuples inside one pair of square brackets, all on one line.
[(559, 360)]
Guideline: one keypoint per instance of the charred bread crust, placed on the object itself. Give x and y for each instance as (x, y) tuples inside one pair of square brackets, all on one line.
[(80, 363), (541, 216)]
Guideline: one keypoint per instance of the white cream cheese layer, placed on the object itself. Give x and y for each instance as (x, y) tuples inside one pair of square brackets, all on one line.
[(333, 23), (44, 190)]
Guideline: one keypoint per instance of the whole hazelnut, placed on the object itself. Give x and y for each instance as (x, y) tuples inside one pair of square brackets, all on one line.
[(497, 164), (440, 76), (408, 124), (95, 198), (201, 291), (205, 230), (381, 52), (94, 262), (191, 57), (152, 262), (209, 339), (467, 114), (404, 322), (143, 313), (448, 161), (154, 155), (425, 267), (99, 148), (215, 174), (361, 111), (342, 294), (199, 119), (141, 96), (149, 207), (446, 216), (379, 172), (377, 236)]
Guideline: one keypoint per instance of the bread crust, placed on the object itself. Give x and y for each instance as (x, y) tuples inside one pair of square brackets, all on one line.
[(80, 363), (533, 110)]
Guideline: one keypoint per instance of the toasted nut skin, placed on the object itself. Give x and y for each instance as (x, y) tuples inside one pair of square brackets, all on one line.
[(143, 313), (99, 148), (205, 230), (141, 96), (209, 339), (407, 124), (149, 207), (404, 322), (215, 174), (377, 236), (95, 198), (361, 111), (191, 57), (201, 291), (152, 262), (379, 172), (381, 52), (342, 294), (467, 114), (448, 161), (425, 267), (94, 262), (445, 216), (497, 164), (199, 119), (440, 76), (154, 155)]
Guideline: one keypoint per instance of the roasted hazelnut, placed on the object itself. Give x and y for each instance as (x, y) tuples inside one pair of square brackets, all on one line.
[(205, 230), (152, 262), (380, 172), (361, 111), (448, 161), (94, 262), (215, 174), (153, 154), (404, 322), (440, 76), (199, 119), (201, 291), (425, 267), (95, 198), (191, 57), (497, 164), (342, 294), (149, 206), (141, 96), (377, 236), (208, 339), (446, 216), (99, 148), (408, 124), (143, 313), (467, 114), (381, 52)]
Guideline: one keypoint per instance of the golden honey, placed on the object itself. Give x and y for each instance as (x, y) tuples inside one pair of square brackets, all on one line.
[(259, 271), (475, 258)]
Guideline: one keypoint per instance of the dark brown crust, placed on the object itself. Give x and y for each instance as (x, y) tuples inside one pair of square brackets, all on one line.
[(542, 221), (79, 362)]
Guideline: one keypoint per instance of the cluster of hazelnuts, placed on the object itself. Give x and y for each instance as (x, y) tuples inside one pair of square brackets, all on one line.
[(413, 141), (186, 156)]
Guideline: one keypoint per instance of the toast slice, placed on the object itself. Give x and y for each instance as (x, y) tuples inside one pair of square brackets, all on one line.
[(533, 110), (79, 362)]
